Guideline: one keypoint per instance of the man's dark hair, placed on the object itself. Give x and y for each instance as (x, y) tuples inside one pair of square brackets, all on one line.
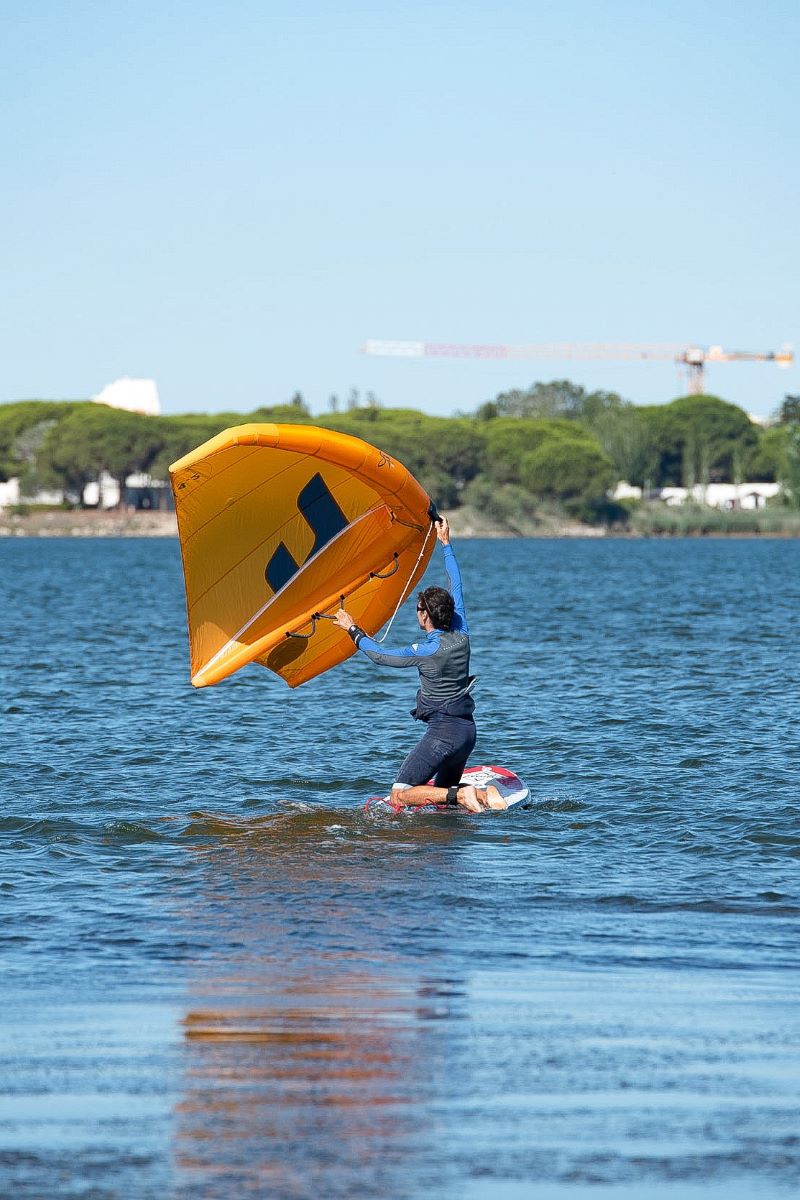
[(439, 606)]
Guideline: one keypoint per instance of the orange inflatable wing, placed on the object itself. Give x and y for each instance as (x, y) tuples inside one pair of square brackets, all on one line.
[(280, 524)]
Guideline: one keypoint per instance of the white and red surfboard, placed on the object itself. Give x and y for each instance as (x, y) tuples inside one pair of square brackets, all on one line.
[(509, 785)]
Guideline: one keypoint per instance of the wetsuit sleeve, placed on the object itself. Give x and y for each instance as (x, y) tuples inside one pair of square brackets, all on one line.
[(456, 589), (407, 656)]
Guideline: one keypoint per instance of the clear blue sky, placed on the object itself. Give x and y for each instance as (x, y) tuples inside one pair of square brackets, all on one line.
[(230, 197)]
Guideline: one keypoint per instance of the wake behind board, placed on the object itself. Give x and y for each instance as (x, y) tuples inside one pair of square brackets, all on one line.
[(509, 785)]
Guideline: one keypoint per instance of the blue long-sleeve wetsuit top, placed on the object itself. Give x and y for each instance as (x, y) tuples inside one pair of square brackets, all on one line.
[(442, 659)]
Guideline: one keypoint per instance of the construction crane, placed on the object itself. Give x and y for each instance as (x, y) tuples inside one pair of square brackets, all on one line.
[(692, 358)]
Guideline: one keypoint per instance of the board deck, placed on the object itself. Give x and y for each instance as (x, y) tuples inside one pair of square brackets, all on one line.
[(509, 785)]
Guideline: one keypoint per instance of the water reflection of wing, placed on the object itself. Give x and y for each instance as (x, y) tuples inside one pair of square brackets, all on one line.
[(314, 1053)]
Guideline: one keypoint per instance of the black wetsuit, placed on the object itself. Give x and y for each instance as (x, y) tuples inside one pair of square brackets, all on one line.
[(444, 699)]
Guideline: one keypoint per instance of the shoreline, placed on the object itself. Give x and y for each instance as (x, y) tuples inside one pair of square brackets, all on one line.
[(88, 523), (91, 523), (465, 523)]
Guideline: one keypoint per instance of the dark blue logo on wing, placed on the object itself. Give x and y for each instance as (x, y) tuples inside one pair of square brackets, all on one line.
[(325, 519)]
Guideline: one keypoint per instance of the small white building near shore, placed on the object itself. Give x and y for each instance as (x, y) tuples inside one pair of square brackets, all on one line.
[(716, 495), (142, 492), (730, 496), (10, 494)]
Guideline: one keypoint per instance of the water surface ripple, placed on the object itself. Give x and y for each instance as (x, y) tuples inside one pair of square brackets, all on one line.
[(221, 977)]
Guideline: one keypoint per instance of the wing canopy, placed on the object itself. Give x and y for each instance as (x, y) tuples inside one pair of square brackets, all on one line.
[(278, 525)]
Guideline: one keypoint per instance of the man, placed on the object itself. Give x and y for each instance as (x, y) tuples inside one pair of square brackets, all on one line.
[(444, 700)]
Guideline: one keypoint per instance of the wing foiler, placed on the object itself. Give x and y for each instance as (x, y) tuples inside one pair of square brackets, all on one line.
[(279, 525)]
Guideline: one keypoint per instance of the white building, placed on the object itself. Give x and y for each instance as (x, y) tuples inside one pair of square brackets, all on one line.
[(716, 495), (144, 493), (10, 494), (625, 491), (722, 495), (134, 395)]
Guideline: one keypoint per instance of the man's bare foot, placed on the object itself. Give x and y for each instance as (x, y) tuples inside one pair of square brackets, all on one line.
[(468, 797), (493, 799), (477, 799)]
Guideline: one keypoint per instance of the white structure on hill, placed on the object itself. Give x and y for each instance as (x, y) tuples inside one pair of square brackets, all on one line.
[(135, 395)]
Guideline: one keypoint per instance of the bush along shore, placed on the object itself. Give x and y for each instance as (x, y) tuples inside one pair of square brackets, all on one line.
[(698, 520), (540, 462)]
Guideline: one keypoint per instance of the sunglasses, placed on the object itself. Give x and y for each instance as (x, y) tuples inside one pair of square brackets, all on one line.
[(421, 608)]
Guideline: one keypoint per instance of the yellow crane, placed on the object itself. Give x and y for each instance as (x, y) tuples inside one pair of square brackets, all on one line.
[(692, 358)]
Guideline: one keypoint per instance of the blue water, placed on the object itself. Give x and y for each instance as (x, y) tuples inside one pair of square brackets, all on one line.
[(221, 978)]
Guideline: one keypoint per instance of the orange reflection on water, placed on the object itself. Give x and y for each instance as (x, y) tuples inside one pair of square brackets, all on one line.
[(311, 1087), (315, 1049)]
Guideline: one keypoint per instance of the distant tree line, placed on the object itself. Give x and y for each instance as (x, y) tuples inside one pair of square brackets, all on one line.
[(554, 443)]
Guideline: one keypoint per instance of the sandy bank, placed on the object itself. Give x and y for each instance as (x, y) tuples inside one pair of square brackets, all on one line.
[(88, 523), (465, 522)]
